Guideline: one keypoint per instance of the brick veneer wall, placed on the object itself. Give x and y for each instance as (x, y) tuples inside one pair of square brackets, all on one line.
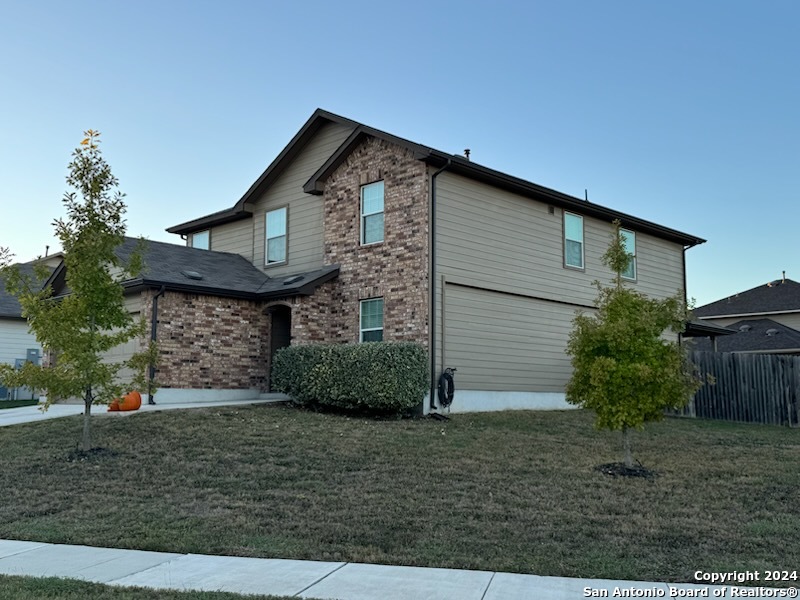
[(397, 268), (207, 342)]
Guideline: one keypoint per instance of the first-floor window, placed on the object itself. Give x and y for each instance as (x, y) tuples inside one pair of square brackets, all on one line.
[(276, 236), (372, 320), (629, 240)]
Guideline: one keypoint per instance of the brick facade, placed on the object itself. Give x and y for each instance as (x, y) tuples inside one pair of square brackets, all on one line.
[(397, 268), (208, 342)]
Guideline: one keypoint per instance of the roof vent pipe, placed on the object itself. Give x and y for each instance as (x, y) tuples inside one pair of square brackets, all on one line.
[(466, 153), (783, 277)]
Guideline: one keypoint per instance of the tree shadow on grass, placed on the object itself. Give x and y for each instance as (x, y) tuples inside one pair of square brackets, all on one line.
[(620, 470), (93, 455)]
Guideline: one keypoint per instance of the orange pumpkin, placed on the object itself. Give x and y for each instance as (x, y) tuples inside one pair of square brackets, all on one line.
[(114, 405), (132, 401)]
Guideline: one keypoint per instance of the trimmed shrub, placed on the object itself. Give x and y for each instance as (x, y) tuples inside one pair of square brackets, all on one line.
[(385, 377)]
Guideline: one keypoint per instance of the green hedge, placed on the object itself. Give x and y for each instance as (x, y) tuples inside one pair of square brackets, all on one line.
[(380, 377)]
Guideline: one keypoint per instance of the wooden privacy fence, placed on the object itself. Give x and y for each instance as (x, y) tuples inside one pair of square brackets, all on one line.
[(753, 388)]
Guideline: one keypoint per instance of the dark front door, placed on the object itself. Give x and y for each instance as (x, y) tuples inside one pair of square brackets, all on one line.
[(280, 334)]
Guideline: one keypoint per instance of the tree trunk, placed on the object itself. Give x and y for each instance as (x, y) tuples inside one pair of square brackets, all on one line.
[(626, 446), (87, 413)]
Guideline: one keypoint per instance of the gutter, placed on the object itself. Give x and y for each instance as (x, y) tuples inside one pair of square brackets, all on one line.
[(153, 336), (432, 284)]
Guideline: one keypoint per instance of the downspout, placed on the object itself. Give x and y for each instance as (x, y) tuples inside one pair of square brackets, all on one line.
[(432, 285), (153, 336), (685, 292)]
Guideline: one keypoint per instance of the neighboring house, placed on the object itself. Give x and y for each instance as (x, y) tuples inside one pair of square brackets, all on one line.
[(354, 235), (16, 342), (764, 319)]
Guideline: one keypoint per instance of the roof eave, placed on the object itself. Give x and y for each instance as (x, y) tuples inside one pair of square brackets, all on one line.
[(316, 183), (289, 152), (462, 166)]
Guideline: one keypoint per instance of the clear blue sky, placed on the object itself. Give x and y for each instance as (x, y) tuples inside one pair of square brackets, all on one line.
[(684, 112)]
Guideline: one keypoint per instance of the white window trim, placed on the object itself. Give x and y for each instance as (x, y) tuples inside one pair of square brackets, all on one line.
[(582, 266), (361, 314), (208, 231), (285, 238), (633, 260), (364, 215)]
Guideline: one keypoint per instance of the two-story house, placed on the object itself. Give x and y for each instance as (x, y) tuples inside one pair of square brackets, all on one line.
[(353, 235)]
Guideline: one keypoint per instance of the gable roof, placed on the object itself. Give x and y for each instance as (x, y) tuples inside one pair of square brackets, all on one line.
[(9, 304), (191, 270), (455, 164), (756, 335), (778, 296), (240, 210)]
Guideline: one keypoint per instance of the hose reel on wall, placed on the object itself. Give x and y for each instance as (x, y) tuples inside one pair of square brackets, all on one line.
[(447, 387)]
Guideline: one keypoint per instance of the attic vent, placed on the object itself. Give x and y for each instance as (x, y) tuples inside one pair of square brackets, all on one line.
[(293, 279), (745, 327), (192, 275), (771, 332)]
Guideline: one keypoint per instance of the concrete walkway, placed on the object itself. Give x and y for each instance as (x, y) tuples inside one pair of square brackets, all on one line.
[(34, 414), (302, 578)]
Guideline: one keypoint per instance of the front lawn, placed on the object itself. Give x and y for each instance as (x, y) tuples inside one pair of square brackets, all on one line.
[(513, 491)]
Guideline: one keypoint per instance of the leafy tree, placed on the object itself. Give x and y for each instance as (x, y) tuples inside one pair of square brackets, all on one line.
[(77, 330), (624, 368)]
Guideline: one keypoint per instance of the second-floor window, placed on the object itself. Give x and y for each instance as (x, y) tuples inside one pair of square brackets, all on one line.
[(372, 213), (573, 240), (629, 240), (276, 236), (201, 239)]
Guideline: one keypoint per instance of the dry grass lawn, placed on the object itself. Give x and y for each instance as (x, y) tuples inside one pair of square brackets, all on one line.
[(512, 491)]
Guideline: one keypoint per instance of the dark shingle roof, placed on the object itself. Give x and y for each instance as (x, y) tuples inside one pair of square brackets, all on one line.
[(751, 336), (9, 305), (778, 296), (436, 158), (181, 268)]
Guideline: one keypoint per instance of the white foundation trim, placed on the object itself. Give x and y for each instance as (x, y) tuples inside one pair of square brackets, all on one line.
[(466, 401), (184, 395)]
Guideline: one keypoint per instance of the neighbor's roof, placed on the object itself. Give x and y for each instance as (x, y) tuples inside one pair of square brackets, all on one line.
[(9, 305), (778, 296), (755, 335), (437, 158), (698, 328), (191, 270)]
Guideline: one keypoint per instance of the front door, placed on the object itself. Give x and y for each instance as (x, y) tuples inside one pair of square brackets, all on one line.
[(280, 334)]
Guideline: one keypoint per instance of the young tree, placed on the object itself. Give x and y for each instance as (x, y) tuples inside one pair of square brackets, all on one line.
[(624, 368), (78, 329)]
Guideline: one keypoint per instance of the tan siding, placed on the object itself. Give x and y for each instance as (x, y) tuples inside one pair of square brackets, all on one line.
[(505, 241), (501, 342), (305, 216), (492, 239), (236, 237)]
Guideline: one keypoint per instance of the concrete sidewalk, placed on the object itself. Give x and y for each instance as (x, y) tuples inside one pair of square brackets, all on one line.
[(33, 414), (299, 578)]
